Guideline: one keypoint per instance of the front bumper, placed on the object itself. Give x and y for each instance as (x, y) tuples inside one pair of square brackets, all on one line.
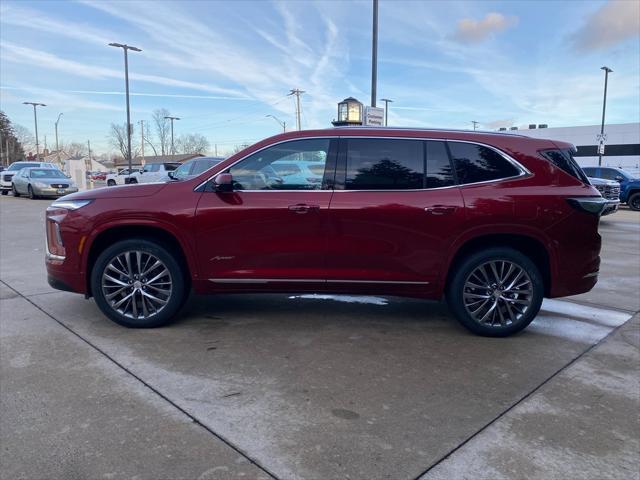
[(611, 207), (53, 192)]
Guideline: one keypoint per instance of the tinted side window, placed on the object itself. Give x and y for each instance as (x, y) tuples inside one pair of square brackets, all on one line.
[(475, 163), (589, 171), (384, 164), (439, 171), (563, 159)]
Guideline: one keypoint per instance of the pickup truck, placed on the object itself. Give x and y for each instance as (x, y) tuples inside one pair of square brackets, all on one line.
[(629, 185)]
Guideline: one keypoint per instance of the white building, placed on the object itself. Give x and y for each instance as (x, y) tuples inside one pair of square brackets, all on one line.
[(622, 145)]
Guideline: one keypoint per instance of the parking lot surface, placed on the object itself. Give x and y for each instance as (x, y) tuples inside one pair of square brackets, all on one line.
[(315, 387)]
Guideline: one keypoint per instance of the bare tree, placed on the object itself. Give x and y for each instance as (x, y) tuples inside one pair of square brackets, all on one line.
[(237, 148), (118, 139), (192, 143), (76, 149), (25, 138), (163, 129)]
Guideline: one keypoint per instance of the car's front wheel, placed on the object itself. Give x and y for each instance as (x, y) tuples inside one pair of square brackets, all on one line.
[(634, 201), (111, 183), (4, 192), (14, 190), (496, 292), (138, 283)]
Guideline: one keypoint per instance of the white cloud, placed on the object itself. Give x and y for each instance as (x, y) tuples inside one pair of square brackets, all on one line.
[(613, 23), (470, 30), (37, 58)]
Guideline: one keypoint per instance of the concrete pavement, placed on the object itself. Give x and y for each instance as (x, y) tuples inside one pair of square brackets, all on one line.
[(317, 386)]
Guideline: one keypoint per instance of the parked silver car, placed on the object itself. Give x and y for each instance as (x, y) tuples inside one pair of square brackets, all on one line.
[(42, 182)]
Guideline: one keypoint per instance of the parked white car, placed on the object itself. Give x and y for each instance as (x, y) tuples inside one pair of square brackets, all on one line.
[(154, 172), (7, 175), (119, 178)]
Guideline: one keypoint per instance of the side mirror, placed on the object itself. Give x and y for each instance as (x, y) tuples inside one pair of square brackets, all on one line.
[(223, 182), (619, 178)]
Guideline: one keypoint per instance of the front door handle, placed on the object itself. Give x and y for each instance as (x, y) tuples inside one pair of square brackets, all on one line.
[(303, 208), (441, 209)]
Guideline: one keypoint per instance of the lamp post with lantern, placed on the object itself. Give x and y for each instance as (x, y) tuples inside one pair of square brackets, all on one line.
[(350, 112)]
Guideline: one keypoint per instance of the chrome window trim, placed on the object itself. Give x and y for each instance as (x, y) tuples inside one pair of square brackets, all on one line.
[(304, 280), (524, 172)]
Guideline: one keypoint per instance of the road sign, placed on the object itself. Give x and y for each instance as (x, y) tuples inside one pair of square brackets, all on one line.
[(601, 148), (374, 116)]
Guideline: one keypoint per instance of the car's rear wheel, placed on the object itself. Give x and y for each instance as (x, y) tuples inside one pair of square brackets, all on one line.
[(496, 292), (14, 191), (634, 201), (111, 183), (30, 192), (138, 283)]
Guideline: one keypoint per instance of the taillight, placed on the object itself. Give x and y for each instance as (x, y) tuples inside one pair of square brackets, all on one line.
[(592, 205)]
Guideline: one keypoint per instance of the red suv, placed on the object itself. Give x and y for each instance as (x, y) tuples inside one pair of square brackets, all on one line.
[(493, 222)]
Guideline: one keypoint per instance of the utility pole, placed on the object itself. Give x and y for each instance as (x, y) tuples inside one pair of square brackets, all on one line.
[(142, 140), (374, 55), (173, 152), (475, 124), (607, 71), (126, 49), (216, 149), (297, 92), (35, 120), (386, 110), (57, 145)]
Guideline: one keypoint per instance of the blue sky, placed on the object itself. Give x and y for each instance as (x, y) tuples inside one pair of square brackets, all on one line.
[(222, 66)]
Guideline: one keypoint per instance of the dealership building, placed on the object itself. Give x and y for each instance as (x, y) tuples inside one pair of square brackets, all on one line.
[(622, 143)]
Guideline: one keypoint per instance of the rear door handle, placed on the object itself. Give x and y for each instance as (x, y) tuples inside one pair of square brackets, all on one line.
[(441, 209), (303, 208)]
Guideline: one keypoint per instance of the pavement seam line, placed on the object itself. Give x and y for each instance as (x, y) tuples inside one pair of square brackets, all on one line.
[(157, 392), (521, 400)]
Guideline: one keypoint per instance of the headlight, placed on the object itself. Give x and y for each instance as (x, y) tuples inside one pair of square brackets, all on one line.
[(40, 185), (70, 204)]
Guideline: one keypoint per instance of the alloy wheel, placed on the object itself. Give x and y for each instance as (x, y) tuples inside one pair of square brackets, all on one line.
[(137, 284), (498, 293)]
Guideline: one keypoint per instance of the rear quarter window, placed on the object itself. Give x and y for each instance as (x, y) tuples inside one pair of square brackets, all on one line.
[(476, 163), (563, 159)]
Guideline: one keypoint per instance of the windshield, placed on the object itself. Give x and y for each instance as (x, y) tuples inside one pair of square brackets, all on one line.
[(46, 173), (19, 166)]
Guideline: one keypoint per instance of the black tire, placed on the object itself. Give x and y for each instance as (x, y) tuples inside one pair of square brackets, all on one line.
[(111, 183), (30, 191), (175, 300), (458, 288), (5, 192), (634, 201), (133, 180), (14, 191)]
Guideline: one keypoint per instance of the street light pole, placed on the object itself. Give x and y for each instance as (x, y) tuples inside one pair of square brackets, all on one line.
[(126, 49), (475, 124), (374, 55), (57, 145), (386, 110), (35, 120), (607, 71), (282, 124), (173, 152)]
